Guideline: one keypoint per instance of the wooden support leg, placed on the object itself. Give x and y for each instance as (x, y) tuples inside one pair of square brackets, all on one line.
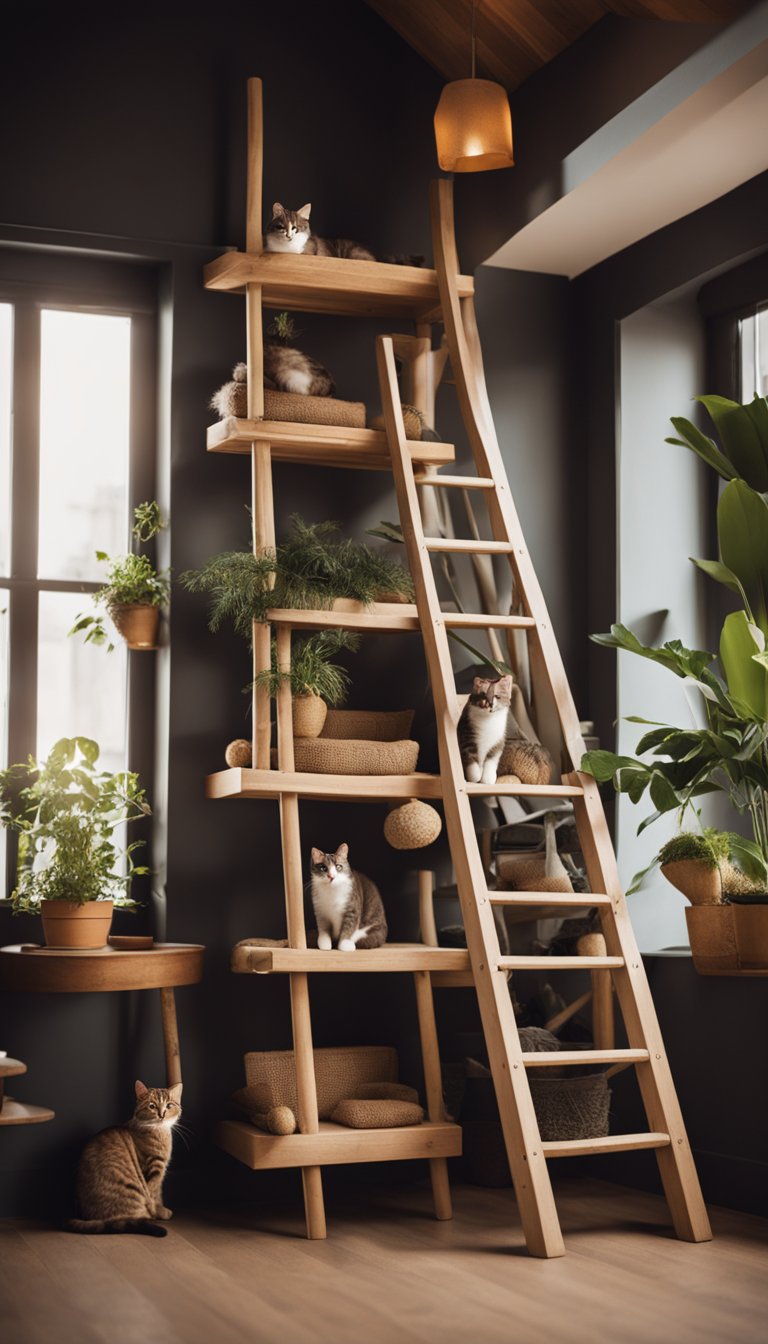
[(170, 1037), (603, 1033), (314, 1209), (433, 1083), (427, 925)]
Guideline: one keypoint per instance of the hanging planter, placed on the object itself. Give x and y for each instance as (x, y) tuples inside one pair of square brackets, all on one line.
[(133, 592), (137, 623)]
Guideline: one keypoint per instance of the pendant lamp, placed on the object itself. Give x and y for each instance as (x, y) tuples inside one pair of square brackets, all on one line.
[(473, 123)]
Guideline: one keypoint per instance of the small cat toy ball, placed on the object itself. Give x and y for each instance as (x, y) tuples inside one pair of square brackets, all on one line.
[(239, 753), (412, 826)]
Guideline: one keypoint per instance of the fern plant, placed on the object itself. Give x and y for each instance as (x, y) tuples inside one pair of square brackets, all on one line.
[(312, 671)]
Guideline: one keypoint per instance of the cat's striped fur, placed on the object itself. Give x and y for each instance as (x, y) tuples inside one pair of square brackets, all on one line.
[(121, 1171)]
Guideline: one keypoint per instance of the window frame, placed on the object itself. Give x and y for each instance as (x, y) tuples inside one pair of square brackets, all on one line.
[(114, 289)]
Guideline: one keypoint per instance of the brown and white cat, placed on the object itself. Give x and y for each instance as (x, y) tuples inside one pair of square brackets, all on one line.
[(121, 1171), (348, 907), (291, 231), (483, 726)]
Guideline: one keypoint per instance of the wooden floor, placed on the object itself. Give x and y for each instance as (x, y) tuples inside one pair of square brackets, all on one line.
[(389, 1273)]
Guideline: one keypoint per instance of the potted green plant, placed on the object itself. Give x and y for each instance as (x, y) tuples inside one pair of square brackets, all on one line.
[(72, 870), (133, 592), (315, 680)]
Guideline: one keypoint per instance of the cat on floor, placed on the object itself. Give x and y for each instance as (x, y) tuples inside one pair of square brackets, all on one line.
[(121, 1171), (348, 907), (291, 231), (483, 727)]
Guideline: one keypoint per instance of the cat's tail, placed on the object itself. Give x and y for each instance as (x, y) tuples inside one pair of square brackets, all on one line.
[(405, 259), (97, 1225)]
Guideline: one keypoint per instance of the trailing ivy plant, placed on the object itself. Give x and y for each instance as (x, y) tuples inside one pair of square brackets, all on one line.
[(131, 580), (312, 671), (309, 570), (66, 813)]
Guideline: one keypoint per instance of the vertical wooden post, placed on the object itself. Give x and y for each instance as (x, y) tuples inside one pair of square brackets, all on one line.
[(603, 1031), (170, 1037), (427, 925), (433, 1084)]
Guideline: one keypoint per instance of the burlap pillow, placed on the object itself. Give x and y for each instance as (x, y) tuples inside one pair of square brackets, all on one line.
[(371, 725)]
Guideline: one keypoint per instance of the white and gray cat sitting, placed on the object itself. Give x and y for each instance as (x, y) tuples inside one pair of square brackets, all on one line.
[(285, 370), (291, 231), (347, 905), (487, 725)]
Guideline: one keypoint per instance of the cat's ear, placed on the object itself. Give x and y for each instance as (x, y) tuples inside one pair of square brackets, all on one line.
[(317, 856), (480, 684), (304, 211), (141, 1089), (277, 209), (342, 851), (175, 1092), (505, 683)]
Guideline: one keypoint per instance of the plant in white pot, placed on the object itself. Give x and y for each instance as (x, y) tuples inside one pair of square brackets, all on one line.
[(71, 869), (133, 592)]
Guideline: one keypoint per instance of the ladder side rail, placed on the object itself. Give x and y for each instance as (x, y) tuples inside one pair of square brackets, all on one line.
[(676, 1164), (524, 1149), (466, 364)]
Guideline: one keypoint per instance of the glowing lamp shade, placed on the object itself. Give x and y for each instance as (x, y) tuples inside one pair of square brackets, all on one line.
[(473, 127)]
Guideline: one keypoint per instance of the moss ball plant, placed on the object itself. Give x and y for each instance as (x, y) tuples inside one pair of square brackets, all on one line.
[(709, 846)]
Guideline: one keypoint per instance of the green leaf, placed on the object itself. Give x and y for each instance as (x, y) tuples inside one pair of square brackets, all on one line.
[(692, 437), (603, 765), (663, 796), (748, 857), (722, 574), (387, 531), (742, 654), (743, 434), (742, 525)]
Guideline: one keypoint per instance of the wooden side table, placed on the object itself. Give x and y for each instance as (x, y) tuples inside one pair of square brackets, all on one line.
[(164, 966)]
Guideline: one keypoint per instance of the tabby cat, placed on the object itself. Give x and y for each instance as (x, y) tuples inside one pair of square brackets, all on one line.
[(348, 907), (290, 231), (121, 1171), (483, 726)]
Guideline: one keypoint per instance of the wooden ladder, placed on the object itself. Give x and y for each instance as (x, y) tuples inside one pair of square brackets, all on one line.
[(526, 1152)]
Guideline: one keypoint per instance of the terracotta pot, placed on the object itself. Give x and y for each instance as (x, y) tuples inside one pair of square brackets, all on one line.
[(137, 624), (66, 924), (698, 880), (750, 921), (712, 936), (309, 713)]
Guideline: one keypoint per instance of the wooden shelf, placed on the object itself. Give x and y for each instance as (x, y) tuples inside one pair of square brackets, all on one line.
[(246, 783), (11, 1068), (346, 614), (57, 971), (320, 445), (335, 1144), (242, 783), (332, 284), (252, 959), (21, 1113)]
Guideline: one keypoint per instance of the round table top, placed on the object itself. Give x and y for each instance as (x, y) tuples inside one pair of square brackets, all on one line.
[(35, 969)]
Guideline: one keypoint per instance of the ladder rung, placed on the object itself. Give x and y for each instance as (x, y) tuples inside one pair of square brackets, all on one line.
[(558, 963), (467, 546), (461, 620), (579, 900), (612, 1143), (544, 1059), (460, 482), (523, 790)]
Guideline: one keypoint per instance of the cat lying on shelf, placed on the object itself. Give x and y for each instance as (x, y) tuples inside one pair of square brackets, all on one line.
[(121, 1171), (290, 231), (347, 905)]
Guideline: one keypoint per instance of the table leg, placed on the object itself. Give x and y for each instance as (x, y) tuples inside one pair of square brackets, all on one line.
[(170, 1037)]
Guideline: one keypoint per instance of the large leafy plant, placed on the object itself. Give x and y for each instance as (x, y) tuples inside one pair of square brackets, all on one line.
[(312, 670), (66, 813), (131, 580)]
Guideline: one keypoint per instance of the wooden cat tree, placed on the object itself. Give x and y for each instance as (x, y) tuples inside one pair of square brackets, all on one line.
[(425, 298)]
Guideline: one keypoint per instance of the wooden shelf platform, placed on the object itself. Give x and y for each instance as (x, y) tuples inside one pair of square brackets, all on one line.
[(21, 1113), (11, 1068), (333, 284), (320, 445), (246, 783), (35, 969), (252, 959), (335, 1144)]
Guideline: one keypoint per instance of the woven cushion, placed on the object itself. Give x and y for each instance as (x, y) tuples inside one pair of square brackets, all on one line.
[(271, 1075), (328, 756), (313, 410), (373, 725)]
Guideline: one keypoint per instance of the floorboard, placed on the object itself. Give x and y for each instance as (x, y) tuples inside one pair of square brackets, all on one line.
[(390, 1274)]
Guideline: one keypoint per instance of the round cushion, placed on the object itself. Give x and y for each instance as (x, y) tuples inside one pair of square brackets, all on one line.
[(239, 753), (412, 826), (360, 1113)]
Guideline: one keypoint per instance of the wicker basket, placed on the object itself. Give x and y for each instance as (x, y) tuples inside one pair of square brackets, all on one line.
[(309, 714), (327, 756), (232, 399), (338, 1071), (371, 725)]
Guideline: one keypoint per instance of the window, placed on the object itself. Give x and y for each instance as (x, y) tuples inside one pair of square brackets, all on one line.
[(76, 455), (753, 355)]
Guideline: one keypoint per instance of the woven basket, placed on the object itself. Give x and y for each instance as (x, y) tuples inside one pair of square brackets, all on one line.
[(571, 1108), (327, 756), (309, 714), (370, 725), (232, 399), (271, 1074), (530, 875)]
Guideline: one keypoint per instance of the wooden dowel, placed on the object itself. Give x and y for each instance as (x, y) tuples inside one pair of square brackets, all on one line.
[(603, 1032), (314, 1205), (285, 753), (262, 508), (255, 168), (427, 925), (568, 1012), (170, 1037), (433, 1086)]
